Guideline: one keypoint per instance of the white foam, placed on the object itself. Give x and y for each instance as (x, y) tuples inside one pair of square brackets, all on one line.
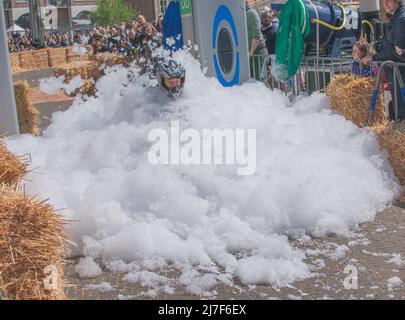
[(316, 172), (88, 268), (53, 85)]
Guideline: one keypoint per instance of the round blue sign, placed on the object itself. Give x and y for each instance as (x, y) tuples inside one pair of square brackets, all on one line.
[(224, 14)]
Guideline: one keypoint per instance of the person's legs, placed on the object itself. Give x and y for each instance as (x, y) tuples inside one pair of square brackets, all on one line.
[(254, 70), (256, 63)]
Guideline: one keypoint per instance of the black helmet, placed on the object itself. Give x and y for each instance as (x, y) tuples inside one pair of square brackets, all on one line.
[(168, 70)]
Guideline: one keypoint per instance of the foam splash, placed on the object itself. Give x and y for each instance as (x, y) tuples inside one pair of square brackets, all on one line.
[(316, 173)]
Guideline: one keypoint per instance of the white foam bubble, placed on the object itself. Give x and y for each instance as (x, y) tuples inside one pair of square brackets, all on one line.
[(316, 172)]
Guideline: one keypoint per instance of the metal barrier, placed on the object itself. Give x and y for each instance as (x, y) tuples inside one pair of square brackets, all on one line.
[(397, 79), (315, 75)]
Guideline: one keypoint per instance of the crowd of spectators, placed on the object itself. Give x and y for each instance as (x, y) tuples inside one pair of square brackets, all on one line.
[(123, 38)]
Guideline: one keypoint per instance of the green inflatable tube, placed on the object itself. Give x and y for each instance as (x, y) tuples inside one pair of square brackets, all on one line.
[(294, 28)]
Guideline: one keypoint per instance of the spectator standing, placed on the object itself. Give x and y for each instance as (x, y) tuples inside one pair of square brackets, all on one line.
[(256, 42), (270, 25), (394, 36)]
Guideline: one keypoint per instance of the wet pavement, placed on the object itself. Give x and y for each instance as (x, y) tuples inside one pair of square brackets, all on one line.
[(370, 264)]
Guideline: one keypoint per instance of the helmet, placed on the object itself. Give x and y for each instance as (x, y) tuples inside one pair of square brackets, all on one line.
[(171, 70)]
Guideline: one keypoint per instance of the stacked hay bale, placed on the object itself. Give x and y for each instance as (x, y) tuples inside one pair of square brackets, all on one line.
[(88, 88), (72, 56), (32, 242), (41, 58), (392, 139), (27, 60), (69, 72), (27, 114), (109, 59), (89, 72), (12, 168), (93, 71), (32, 238), (351, 96), (57, 56), (15, 62)]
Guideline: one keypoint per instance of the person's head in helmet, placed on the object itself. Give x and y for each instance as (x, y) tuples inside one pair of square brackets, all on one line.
[(172, 83), (171, 76)]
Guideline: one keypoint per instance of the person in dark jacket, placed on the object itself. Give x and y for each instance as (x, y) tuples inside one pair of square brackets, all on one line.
[(269, 28), (394, 35)]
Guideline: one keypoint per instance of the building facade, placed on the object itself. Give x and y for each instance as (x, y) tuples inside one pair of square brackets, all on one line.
[(55, 13)]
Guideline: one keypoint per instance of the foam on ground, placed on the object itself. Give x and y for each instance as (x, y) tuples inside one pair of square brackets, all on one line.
[(316, 172)]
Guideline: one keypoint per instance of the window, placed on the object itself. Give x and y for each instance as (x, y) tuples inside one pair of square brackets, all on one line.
[(225, 50)]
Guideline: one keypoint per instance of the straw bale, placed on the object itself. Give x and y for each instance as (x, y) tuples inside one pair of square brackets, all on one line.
[(27, 114), (109, 59), (14, 61), (351, 96), (88, 88), (392, 139), (32, 243), (27, 60), (57, 56), (41, 58), (70, 71), (87, 70), (12, 168), (73, 57), (93, 71)]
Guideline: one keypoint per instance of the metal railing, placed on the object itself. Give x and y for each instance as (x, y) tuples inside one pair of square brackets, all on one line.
[(315, 74)]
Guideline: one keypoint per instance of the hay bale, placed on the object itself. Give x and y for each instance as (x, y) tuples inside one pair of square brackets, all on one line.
[(69, 73), (32, 243), (12, 168), (14, 61), (41, 58), (73, 56), (351, 96), (392, 139), (27, 60), (57, 56), (109, 59), (93, 71), (88, 88), (87, 71), (27, 114)]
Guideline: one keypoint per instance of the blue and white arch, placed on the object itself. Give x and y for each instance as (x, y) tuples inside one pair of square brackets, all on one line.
[(224, 20)]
